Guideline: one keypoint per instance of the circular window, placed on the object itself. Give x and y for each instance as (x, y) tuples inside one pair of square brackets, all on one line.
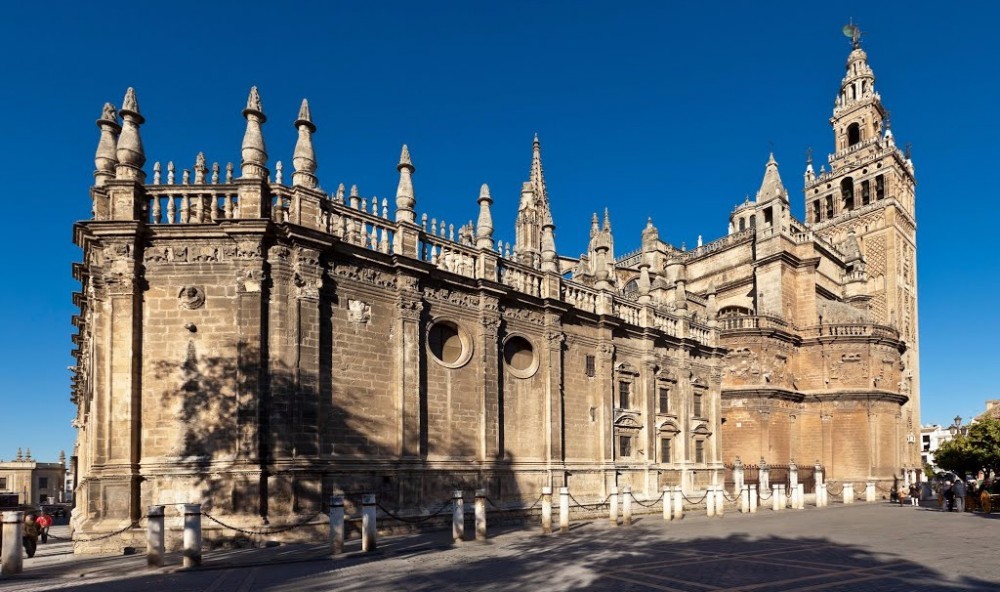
[(519, 355), (449, 344)]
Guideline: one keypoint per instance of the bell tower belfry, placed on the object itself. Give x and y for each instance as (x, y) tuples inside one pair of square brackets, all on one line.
[(865, 203)]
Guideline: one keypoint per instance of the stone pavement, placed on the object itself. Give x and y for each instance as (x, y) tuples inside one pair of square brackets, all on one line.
[(842, 548)]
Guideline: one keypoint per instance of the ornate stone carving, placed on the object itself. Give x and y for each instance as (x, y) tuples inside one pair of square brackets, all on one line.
[(279, 252), (202, 254), (248, 250), (367, 275), (446, 295), (249, 280), (307, 287), (410, 310), (358, 311), (191, 298), (607, 349), (524, 314)]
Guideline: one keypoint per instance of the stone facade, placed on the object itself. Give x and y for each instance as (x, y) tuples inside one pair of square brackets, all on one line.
[(256, 346), (34, 483)]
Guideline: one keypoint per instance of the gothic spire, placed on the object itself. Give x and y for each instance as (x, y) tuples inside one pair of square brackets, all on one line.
[(106, 157), (405, 201), (537, 177), (484, 225), (254, 153), (129, 150), (304, 157), (771, 187)]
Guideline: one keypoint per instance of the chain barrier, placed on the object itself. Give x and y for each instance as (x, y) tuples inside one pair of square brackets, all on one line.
[(763, 497), (595, 506), (644, 505), (835, 493), (444, 506), (688, 500), (102, 537), (250, 532), (536, 502), (730, 499), (490, 502)]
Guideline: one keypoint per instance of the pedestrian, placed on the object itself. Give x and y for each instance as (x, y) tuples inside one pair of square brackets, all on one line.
[(44, 521), (914, 494), (959, 491), (30, 535), (949, 496)]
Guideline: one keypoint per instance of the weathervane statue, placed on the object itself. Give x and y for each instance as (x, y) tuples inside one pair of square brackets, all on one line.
[(854, 33)]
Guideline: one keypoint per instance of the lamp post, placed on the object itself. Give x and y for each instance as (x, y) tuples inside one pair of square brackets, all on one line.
[(957, 428)]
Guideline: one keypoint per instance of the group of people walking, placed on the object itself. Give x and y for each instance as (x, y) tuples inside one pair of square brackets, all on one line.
[(35, 527), (954, 495)]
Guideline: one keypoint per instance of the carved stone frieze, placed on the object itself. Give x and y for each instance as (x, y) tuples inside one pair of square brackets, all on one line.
[(358, 311), (367, 275), (524, 314), (446, 295), (410, 310)]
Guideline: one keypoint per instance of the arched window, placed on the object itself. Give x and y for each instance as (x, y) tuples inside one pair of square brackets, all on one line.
[(847, 193), (853, 134), (743, 224), (631, 288)]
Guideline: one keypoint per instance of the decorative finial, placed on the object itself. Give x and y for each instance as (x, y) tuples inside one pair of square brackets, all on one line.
[(484, 225), (405, 200), (607, 220), (304, 158), (106, 157), (852, 32), (354, 198), (339, 197), (129, 151), (200, 169), (254, 153)]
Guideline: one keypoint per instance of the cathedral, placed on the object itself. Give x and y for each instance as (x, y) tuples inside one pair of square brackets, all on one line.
[(254, 343)]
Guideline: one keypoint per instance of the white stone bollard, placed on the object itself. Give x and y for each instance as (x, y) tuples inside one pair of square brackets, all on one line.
[(777, 503), (848, 492), (369, 528), (666, 502), (710, 501), (12, 554), (457, 516), (745, 499), (546, 510), (753, 499), (480, 514), (564, 509), (720, 501), (336, 524), (627, 505), (802, 496), (154, 537), (870, 492), (678, 503), (613, 506), (821, 495), (793, 497), (192, 535)]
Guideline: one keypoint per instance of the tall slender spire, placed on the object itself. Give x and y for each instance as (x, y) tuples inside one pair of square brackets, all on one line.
[(484, 225), (771, 187), (129, 150), (106, 158), (254, 153), (405, 201), (304, 157)]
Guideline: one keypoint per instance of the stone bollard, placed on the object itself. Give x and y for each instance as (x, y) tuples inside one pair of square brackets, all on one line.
[(776, 498), (627, 505), (192, 535), (870, 491), (678, 503), (793, 475), (802, 496), (753, 499), (710, 501), (613, 506), (745, 499), (546, 510), (457, 516), (666, 502), (848, 492), (368, 526), (764, 475), (154, 537), (793, 497), (336, 524), (12, 554), (720, 501), (821, 495), (564, 509), (480, 514)]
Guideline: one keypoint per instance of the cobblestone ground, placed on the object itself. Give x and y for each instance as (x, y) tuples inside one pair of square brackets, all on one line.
[(854, 548)]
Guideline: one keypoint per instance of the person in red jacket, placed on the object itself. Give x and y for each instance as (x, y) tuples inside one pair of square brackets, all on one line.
[(44, 521)]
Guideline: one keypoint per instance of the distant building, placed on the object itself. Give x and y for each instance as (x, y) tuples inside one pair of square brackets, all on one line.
[(931, 438), (33, 482)]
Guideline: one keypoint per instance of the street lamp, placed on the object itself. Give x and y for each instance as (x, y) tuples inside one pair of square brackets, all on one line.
[(957, 428)]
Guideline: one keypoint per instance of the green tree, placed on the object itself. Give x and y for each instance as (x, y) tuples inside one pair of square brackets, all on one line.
[(984, 441), (958, 456)]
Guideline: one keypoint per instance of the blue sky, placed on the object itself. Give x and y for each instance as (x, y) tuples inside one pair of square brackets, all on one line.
[(651, 109)]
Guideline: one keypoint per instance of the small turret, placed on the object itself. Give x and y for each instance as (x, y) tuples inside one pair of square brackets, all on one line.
[(254, 153), (304, 157), (106, 157), (129, 150), (771, 187), (405, 200), (484, 225)]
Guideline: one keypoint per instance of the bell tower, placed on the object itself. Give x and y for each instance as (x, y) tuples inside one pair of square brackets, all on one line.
[(865, 203)]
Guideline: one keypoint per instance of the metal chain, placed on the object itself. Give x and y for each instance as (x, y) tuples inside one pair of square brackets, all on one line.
[(729, 499), (694, 502), (444, 505), (646, 505), (764, 498), (250, 532), (102, 537), (490, 502), (594, 506), (537, 501), (835, 493)]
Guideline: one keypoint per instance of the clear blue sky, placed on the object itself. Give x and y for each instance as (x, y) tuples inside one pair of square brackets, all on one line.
[(652, 109)]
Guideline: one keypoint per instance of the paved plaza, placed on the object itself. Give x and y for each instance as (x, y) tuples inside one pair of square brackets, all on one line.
[(837, 549)]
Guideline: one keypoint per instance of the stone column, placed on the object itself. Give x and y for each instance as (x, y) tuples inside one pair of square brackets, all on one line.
[(793, 474), (666, 502), (306, 399), (777, 498), (710, 501), (488, 352), (369, 528), (192, 535), (546, 510), (802, 496), (552, 356), (564, 509), (744, 499), (154, 537), (821, 495), (720, 501), (336, 524), (678, 503), (12, 554), (613, 506), (480, 514), (848, 492), (410, 307), (753, 499), (764, 473), (627, 505), (870, 491), (738, 475), (457, 516)]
